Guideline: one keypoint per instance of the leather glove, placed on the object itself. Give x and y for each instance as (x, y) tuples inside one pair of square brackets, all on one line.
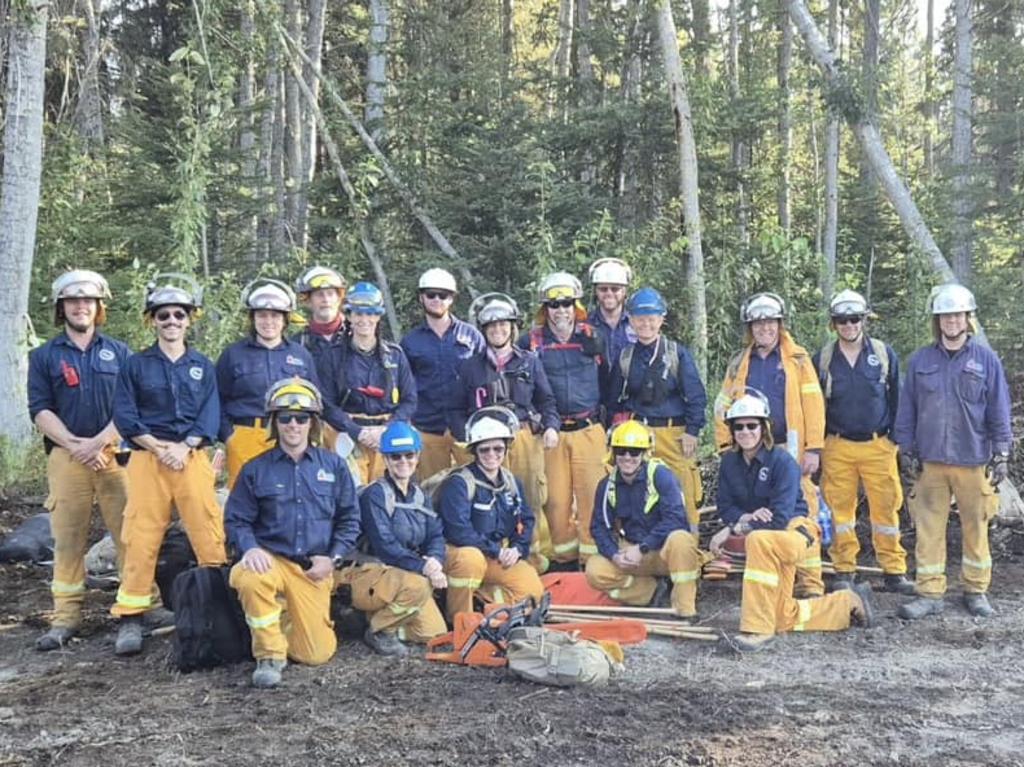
[(998, 468), (910, 467)]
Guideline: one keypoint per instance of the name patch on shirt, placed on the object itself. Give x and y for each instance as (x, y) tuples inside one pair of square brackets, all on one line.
[(325, 476), (294, 361), (974, 365), (196, 374), (873, 361), (763, 474), (106, 355)]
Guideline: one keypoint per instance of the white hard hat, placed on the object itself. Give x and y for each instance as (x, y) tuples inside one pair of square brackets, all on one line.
[(951, 299), (79, 283), (268, 294), (493, 307), (847, 303), (610, 271), (748, 406), (494, 422), (173, 289), (763, 306), (559, 285), (438, 279)]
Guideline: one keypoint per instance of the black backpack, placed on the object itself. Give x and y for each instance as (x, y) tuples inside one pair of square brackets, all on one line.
[(176, 556), (210, 628)]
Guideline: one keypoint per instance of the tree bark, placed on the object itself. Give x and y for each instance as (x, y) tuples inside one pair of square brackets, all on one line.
[(739, 146), (627, 184), (831, 233), (294, 163), (247, 138), (88, 117), (963, 98), (929, 90), (785, 126), (265, 233), (376, 70), (688, 182), (316, 15), (19, 205), (280, 220), (585, 78), (702, 37), (561, 57), (508, 43)]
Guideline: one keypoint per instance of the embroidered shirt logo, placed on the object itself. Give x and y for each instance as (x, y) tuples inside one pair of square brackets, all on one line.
[(196, 374)]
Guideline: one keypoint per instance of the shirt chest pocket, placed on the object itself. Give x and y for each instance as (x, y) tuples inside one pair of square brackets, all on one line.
[(972, 386), (484, 515), (105, 367), (929, 380), (269, 499), (323, 501)]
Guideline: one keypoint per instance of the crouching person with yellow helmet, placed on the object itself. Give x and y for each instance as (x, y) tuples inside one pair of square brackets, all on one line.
[(488, 523), (759, 497), (395, 585), (292, 515), (640, 529)]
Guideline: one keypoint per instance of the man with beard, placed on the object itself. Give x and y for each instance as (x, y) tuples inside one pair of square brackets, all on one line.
[(610, 278)]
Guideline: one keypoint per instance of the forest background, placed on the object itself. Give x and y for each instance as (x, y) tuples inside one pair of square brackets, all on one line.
[(697, 140)]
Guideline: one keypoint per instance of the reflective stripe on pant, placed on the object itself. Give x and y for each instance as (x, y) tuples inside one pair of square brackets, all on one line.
[(73, 488), (152, 490), (667, 447), (370, 464), (288, 614), (808, 569), (574, 469), (244, 444), (767, 606), (929, 502), (844, 464), (525, 460), (468, 571), (395, 600), (678, 558)]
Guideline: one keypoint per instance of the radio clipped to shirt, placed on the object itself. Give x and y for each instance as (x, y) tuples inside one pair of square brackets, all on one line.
[(70, 374)]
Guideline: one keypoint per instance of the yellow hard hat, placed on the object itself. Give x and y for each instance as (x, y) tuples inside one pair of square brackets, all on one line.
[(631, 434)]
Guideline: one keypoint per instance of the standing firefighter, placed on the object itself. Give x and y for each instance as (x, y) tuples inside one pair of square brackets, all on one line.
[(508, 376), (488, 524), (610, 278), (657, 383), (759, 497), (641, 530), (775, 365), (71, 382), (572, 353), (395, 586), (953, 429), (859, 377), (292, 516), (166, 406), (435, 348)]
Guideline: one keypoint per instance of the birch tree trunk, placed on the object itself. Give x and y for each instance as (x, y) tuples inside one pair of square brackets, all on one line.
[(963, 67), (88, 117), (267, 172), (739, 146), (19, 204), (376, 70), (247, 137), (688, 182), (294, 167), (831, 234), (785, 126), (627, 184), (316, 14)]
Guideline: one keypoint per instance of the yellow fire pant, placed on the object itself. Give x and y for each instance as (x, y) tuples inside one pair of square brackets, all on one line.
[(440, 452), (370, 464), (929, 508), (72, 488), (668, 448), (152, 490), (808, 570), (525, 460), (469, 571), (244, 444), (844, 465), (288, 614), (395, 600), (767, 606), (679, 558), (574, 469)]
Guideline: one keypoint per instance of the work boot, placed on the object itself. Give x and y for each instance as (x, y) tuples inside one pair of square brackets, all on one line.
[(268, 672), (662, 596), (55, 638), (842, 581), (978, 606), (385, 643), (752, 643), (863, 611), (921, 607), (158, 617), (129, 636), (897, 583)]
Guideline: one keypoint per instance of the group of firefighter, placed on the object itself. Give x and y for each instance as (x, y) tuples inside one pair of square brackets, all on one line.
[(490, 451)]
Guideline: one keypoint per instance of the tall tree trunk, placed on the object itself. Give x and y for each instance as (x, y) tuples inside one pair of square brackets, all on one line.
[(280, 220), (688, 182), (376, 70), (739, 146), (586, 80), (88, 118), (317, 11), (247, 138), (963, 112), (929, 90), (702, 37), (831, 233), (561, 57), (294, 163), (872, 21), (627, 184), (1007, 124), (508, 43), (785, 126), (19, 205), (266, 230)]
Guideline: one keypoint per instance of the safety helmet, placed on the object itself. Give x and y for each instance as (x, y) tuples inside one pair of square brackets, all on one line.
[(763, 306), (400, 437), (494, 422), (848, 303), (494, 307), (610, 271), (173, 289), (79, 283), (318, 277), (438, 279), (269, 294), (294, 394), (951, 299), (631, 434), (364, 298), (646, 301), (559, 285), (749, 406)]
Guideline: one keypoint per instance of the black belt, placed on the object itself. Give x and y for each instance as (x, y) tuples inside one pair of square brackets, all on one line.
[(370, 420), (660, 423), (575, 424), (860, 436), (250, 422)]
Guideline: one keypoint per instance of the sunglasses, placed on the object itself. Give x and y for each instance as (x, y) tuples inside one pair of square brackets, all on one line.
[(401, 456), (854, 320), (562, 303), (745, 426), (496, 449), (632, 452), (177, 314), (299, 418), (437, 295)]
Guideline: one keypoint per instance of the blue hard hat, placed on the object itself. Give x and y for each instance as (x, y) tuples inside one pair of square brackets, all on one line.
[(400, 437), (646, 301), (365, 298)]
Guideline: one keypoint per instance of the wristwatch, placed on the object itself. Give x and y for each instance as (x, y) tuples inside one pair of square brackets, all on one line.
[(644, 548), (193, 441), (338, 561)]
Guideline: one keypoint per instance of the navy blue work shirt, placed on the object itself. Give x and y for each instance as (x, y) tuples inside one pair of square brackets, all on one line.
[(771, 480), (405, 535), (768, 376), (863, 402)]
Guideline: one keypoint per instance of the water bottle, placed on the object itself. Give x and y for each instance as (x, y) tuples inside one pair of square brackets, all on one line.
[(824, 520)]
